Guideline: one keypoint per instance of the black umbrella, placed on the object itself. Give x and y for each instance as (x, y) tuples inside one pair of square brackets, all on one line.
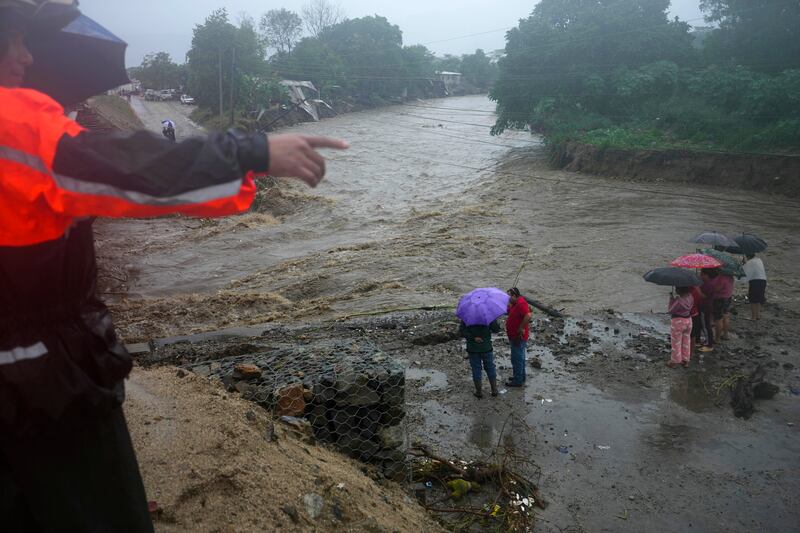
[(713, 238), (81, 60), (673, 276), (747, 244)]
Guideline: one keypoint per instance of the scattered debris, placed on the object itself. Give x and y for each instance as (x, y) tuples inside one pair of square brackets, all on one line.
[(743, 391), (490, 493), (460, 487), (314, 504)]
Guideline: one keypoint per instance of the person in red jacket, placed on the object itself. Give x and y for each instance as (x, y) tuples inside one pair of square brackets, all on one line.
[(66, 459), (517, 329)]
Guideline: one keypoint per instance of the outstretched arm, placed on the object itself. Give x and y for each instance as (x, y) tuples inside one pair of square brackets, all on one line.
[(142, 174)]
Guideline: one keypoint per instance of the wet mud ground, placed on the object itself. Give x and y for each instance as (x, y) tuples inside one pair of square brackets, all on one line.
[(622, 443), (426, 206)]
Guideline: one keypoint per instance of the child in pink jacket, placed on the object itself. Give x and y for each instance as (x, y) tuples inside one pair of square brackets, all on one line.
[(680, 308)]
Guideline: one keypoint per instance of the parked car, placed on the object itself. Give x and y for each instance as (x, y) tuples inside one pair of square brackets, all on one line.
[(166, 94), (150, 95), (187, 100)]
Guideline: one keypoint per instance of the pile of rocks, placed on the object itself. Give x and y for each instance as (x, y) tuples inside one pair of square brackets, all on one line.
[(351, 396)]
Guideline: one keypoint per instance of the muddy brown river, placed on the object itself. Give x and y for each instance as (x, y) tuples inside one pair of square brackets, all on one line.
[(425, 206)]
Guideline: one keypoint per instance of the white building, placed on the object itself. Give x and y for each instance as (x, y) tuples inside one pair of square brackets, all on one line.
[(451, 80)]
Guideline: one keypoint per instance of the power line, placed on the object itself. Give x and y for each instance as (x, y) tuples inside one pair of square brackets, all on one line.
[(468, 35)]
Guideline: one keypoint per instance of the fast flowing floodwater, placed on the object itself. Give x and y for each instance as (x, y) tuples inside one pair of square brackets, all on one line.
[(426, 205)]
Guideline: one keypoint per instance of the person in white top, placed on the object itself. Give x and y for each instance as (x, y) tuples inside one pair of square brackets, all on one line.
[(757, 281)]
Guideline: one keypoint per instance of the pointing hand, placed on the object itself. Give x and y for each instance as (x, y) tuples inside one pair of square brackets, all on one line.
[(296, 156)]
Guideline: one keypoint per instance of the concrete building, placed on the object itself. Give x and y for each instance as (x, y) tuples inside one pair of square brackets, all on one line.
[(451, 80)]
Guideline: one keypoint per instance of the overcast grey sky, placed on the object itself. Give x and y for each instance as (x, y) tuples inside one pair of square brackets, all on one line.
[(166, 25)]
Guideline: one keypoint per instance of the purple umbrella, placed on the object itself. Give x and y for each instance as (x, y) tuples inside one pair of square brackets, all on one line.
[(482, 306)]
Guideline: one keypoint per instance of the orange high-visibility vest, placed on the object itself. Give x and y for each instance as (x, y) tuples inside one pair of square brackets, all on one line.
[(37, 205)]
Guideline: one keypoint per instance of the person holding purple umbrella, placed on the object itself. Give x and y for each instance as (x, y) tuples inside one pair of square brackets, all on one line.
[(481, 353), (479, 310)]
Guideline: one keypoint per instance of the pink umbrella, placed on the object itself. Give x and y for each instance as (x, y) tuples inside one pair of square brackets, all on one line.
[(696, 261)]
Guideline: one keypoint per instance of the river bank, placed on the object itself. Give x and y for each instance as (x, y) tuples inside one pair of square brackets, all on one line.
[(277, 117), (611, 435), (774, 174)]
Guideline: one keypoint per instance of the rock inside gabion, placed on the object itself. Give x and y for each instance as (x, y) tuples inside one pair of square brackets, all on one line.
[(352, 396)]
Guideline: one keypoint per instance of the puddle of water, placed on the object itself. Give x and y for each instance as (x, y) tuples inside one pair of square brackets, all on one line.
[(658, 324), (434, 379)]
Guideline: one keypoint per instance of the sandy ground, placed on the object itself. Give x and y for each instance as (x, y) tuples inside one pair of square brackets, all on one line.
[(208, 462)]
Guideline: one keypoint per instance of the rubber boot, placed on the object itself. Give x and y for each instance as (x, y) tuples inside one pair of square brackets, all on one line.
[(478, 392), (493, 383)]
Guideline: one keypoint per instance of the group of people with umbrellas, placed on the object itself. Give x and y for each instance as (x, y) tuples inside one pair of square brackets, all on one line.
[(700, 304)]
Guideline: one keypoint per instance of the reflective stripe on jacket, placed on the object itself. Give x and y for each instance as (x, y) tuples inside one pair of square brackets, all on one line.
[(53, 171), (61, 364)]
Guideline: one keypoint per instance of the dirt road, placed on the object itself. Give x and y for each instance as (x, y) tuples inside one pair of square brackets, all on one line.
[(152, 113)]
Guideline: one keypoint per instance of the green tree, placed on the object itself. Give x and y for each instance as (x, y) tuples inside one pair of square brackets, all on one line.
[(370, 49), (280, 29), (312, 60), (567, 49), (762, 34), (448, 63), (418, 69), (221, 55), (478, 69), (158, 71)]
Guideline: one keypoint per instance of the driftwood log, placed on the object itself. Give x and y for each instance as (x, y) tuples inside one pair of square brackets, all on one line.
[(545, 308)]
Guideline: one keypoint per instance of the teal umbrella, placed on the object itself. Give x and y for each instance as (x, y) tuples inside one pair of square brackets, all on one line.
[(730, 266)]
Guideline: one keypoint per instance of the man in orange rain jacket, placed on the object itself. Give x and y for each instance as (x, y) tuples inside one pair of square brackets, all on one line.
[(66, 460)]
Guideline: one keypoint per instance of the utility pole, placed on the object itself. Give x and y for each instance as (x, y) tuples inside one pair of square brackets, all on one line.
[(220, 83), (233, 69)]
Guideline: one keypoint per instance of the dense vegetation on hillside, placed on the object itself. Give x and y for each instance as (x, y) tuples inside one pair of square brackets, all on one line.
[(621, 73)]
